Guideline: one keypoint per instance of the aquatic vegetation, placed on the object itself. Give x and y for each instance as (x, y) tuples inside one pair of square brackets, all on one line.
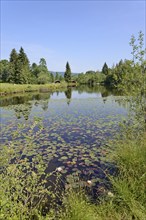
[(67, 147), (75, 137)]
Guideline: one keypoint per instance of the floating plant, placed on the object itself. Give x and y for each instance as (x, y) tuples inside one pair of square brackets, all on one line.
[(74, 136)]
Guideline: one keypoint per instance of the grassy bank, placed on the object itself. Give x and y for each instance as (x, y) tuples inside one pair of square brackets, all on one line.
[(127, 200), (23, 195), (6, 88)]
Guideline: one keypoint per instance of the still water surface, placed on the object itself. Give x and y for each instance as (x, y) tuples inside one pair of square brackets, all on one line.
[(78, 124)]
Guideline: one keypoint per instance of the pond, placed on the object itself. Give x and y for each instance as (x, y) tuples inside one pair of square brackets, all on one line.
[(77, 126)]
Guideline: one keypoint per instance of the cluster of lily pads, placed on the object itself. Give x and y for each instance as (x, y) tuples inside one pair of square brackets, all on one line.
[(74, 137)]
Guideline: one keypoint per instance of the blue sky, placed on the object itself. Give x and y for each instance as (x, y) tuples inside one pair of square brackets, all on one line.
[(84, 33)]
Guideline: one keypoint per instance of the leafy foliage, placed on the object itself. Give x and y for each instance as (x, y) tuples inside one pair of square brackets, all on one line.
[(5, 71), (24, 189), (130, 74), (74, 139), (90, 78)]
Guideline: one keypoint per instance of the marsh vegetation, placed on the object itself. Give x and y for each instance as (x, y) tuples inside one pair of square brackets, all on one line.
[(76, 153)]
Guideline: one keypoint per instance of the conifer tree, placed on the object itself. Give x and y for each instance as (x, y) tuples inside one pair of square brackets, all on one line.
[(67, 74), (105, 69), (13, 63), (22, 68)]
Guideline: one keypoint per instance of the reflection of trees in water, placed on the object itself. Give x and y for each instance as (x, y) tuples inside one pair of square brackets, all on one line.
[(22, 99), (44, 104), (104, 91), (87, 89), (14, 100), (68, 94), (122, 102), (22, 110), (57, 93), (42, 100), (22, 104)]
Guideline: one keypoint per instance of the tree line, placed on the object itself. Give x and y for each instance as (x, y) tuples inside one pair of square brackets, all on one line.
[(18, 69), (125, 72)]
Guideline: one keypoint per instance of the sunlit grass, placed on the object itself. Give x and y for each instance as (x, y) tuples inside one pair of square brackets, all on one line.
[(125, 201), (78, 207), (6, 88), (129, 190)]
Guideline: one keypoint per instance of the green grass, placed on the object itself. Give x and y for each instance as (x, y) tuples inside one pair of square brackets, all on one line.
[(129, 188), (78, 207), (7, 88)]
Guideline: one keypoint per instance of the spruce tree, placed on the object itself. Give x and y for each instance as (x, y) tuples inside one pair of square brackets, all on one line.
[(105, 69), (67, 74), (13, 63), (22, 68)]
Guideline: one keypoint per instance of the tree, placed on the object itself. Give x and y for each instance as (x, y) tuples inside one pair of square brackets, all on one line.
[(13, 64), (57, 76), (138, 51), (134, 48), (43, 78), (43, 63), (52, 77), (117, 74), (22, 70), (105, 69), (60, 77), (19, 67), (34, 70), (22, 57), (43, 75), (4, 70), (141, 51), (67, 74)]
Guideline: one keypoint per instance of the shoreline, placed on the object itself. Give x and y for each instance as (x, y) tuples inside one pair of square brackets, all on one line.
[(8, 89)]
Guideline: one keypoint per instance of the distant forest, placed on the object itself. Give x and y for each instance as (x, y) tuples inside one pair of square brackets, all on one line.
[(130, 72)]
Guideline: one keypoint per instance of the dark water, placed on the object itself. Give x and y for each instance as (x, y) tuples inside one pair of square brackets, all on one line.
[(77, 126)]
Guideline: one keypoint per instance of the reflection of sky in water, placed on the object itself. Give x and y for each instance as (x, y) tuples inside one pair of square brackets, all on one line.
[(73, 131), (85, 104), (76, 94), (93, 107)]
